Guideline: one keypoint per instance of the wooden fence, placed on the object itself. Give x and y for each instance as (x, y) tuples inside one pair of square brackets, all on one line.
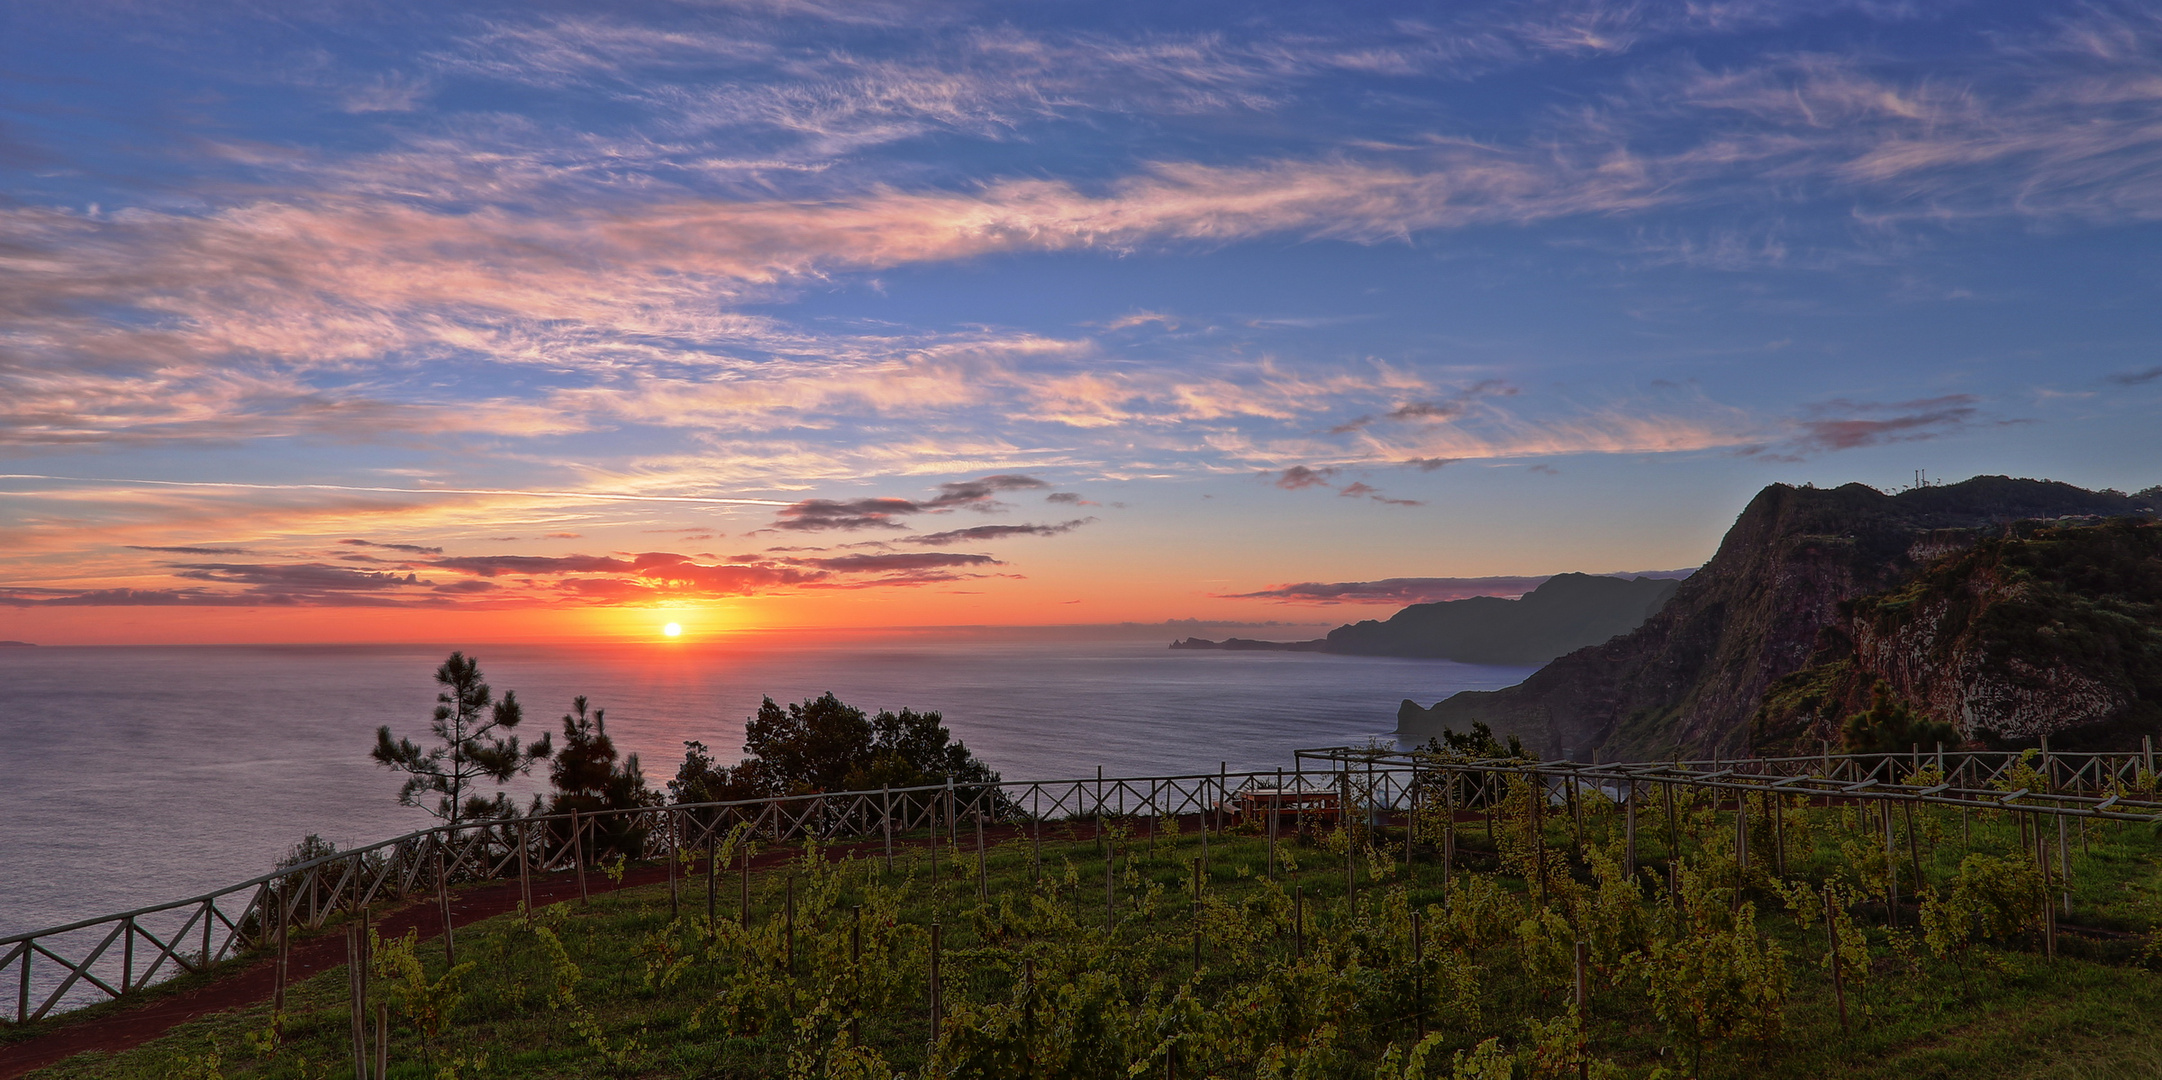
[(114, 956)]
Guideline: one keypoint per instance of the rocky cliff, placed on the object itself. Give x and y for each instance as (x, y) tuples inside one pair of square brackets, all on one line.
[(1691, 678), (2054, 630)]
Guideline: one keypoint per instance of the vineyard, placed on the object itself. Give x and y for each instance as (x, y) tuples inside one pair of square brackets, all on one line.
[(1507, 926)]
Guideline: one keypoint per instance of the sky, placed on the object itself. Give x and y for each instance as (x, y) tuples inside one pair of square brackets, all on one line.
[(466, 321)]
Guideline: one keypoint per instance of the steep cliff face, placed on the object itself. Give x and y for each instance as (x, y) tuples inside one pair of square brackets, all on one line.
[(2056, 630), (1692, 677)]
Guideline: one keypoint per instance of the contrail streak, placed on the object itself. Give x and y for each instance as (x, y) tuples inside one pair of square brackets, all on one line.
[(600, 495)]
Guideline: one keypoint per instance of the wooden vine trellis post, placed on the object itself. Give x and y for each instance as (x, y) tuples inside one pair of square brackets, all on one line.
[(1831, 933), (937, 1002), (673, 818)]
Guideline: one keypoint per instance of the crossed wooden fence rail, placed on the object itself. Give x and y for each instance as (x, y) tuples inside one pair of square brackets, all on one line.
[(77, 964), (2120, 787)]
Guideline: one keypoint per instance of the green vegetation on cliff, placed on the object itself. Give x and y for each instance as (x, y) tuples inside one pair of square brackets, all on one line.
[(2052, 629)]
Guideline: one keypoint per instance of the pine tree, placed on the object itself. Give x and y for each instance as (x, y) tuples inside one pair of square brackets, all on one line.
[(473, 743)]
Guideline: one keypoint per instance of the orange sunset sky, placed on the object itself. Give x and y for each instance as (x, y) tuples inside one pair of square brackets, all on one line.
[(503, 322)]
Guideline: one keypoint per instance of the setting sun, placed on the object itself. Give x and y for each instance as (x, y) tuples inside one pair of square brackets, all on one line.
[(673, 630)]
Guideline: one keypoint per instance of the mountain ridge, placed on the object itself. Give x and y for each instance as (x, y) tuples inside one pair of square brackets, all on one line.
[(1565, 612), (1691, 678)]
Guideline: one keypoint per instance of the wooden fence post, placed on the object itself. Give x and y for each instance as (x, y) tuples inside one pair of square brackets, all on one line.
[(1448, 834), (1418, 975), (277, 998), (1411, 821), (855, 970), (2064, 865), (1110, 915), (2049, 911), (712, 872), (1775, 805), (1298, 781), (937, 1003), (525, 872), (356, 980), (1343, 807), (1674, 836), (1576, 818), (1197, 915), (1583, 979), (578, 855), (1538, 794), (674, 846), (1831, 935), (1914, 849), (1741, 831), (1629, 832), (1298, 922), (886, 821), (442, 903), (1276, 811), (1891, 868)]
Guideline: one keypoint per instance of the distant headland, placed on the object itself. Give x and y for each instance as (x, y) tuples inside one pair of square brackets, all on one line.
[(18, 644), (1565, 613), (1239, 644)]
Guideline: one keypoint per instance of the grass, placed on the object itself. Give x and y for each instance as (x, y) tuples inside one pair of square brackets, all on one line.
[(621, 988)]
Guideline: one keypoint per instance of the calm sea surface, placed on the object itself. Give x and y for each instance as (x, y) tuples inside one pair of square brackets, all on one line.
[(135, 775)]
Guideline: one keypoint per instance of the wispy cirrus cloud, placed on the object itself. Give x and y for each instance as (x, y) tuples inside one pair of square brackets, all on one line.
[(410, 549), (1445, 409), (987, 533), (239, 311), (1300, 477), (1844, 424), (814, 515), (502, 580)]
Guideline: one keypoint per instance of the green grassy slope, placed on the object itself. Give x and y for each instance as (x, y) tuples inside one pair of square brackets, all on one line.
[(1724, 980)]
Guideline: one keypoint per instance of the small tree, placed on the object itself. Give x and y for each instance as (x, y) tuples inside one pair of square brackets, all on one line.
[(587, 777), (823, 744), (473, 744), (1891, 726)]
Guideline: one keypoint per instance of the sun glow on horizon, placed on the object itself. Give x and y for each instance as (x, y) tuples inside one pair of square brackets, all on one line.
[(672, 630)]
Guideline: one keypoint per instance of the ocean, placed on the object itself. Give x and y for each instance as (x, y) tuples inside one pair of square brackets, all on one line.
[(132, 775)]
